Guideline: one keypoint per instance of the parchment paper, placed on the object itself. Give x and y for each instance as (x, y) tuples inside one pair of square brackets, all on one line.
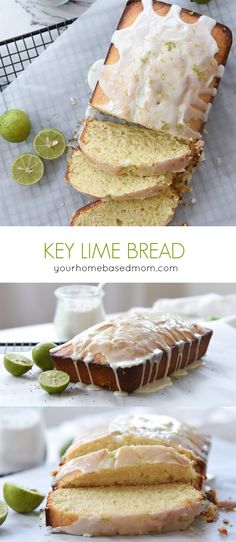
[(211, 385), (45, 90), (221, 466)]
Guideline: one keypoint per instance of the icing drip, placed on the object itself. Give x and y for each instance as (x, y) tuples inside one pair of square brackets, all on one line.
[(137, 339), (165, 69)]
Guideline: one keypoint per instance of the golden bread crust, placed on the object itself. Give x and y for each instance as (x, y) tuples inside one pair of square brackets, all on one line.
[(131, 377)]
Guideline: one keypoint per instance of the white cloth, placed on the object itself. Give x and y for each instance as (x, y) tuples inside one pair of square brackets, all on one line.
[(200, 306)]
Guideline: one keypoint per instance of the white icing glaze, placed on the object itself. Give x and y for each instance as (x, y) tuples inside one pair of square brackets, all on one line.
[(174, 519), (136, 339), (165, 67), (154, 386), (126, 456), (94, 73)]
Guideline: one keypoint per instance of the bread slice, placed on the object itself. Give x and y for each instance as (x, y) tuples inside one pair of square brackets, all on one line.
[(155, 211), (132, 350), (223, 40), (119, 149), (128, 465), (84, 176), (124, 510)]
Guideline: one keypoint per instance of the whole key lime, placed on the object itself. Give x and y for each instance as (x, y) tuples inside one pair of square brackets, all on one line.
[(20, 499), (15, 125), (41, 356)]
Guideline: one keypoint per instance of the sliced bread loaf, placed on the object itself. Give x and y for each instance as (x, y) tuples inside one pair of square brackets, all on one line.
[(149, 430), (128, 465), (124, 510), (155, 211), (121, 148)]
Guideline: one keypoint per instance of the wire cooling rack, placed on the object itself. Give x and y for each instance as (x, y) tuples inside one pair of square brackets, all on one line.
[(8, 347), (17, 53)]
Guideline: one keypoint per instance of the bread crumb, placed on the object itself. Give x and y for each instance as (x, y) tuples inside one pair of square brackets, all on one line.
[(226, 521), (212, 496), (223, 531), (219, 161), (227, 505), (73, 101)]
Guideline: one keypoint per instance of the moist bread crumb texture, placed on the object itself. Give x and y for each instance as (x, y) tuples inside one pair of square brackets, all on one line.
[(135, 506), (154, 143)]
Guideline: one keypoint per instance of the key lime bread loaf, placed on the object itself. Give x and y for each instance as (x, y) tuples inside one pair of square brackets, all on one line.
[(128, 465), (118, 148), (84, 176), (163, 68), (126, 510), (160, 75), (143, 430), (154, 211), (131, 351), (111, 481)]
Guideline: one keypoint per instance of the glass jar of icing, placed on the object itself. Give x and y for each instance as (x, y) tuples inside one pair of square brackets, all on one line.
[(78, 308)]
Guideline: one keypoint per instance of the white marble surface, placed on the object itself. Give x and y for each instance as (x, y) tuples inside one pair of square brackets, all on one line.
[(22, 16)]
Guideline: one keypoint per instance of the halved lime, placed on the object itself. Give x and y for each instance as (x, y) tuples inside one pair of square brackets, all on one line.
[(41, 356), (3, 512), (16, 364), (15, 125), (50, 144), (27, 169), (54, 381), (20, 499)]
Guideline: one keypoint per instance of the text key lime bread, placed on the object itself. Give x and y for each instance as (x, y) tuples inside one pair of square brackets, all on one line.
[(159, 80), (124, 477), (133, 350)]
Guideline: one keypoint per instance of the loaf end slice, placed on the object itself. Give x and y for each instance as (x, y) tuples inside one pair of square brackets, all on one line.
[(124, 510)]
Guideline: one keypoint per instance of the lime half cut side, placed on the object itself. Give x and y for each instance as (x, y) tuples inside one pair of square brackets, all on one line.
[(27, 169), (3, 512), (16, 364), (20, 499), (50, 144), (54, 381)]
